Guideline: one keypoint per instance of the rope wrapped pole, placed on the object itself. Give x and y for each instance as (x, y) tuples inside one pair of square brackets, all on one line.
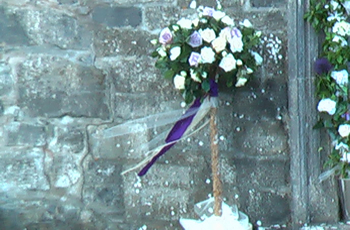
[(215, 160)]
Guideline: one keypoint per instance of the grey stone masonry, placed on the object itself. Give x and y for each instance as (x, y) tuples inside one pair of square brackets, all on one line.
[(72, 68)]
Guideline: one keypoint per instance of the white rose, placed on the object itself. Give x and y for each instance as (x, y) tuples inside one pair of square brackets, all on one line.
[(161, 51), (257, 57), (327, 105), (193, 4), (342, 146), (228, 21), (346, 5), (185, 23), (236, 44), (218, 15), (194, 76), (241, 82), (341, 28), (176, 27), (195, 22), (344, 130), (225, 33), (258, 33), (250, 71), (341, 77), (208, 35), (179, 82), (208, 55), (246, 23), (239, 62), (204, 74), (183, 73), (154, 41), (219, 44), (340, 40), (175, 52), (228, 63), (346, 157), (334, 5)]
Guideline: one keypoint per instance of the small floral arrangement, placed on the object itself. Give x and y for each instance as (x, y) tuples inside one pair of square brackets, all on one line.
[(331, 17), (207, 46)]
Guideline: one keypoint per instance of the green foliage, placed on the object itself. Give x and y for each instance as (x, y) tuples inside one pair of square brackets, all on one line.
[(325, 17)]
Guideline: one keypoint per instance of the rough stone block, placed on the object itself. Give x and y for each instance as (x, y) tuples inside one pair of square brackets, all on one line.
[(269, 208), (23, 169), (117, 16), (158, 17), (225, 3), (24, 134), (129, 42), (257, 174), (48, 26), (68, 1), (64, 171), (103, 186), (12, 32), (160, 199), (131, 106), (6, 79), (269, 3), (138, 75), (51, 87), (67, 138)]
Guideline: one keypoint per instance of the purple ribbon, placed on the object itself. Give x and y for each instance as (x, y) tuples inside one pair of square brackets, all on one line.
[(180, 127)]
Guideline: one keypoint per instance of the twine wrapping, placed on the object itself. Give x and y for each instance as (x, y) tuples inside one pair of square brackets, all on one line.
[(215, 159)]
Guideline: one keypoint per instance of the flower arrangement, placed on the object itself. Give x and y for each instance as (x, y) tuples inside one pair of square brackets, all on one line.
[(330, 17), (207, 46)]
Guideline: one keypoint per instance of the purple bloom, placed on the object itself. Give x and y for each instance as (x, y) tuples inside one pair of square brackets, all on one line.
[(208, 11), (165, 36), (236, 33), (346, 116), (195, 39), (322, 65), (194, 59)]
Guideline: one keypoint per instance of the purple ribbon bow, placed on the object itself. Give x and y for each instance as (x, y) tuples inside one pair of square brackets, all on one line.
[(180, 127)]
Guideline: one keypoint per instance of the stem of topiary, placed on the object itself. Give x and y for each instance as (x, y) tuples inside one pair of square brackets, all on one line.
[(215, 167)]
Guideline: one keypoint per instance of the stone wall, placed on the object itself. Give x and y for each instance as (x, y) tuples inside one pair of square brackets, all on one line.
[(71, 68)]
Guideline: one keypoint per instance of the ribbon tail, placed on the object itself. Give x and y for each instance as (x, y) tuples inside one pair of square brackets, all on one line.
[(145, 169), (174, 135)]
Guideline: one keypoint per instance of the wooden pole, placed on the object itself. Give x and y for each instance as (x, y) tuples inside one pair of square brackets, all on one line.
[(215, 160)]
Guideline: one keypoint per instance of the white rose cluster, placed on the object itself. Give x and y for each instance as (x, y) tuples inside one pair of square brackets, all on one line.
[(344, 130), (341, 77), (327, 105), (341, 28)]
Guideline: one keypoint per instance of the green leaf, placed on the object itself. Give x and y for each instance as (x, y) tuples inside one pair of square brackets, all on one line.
[(154, 54), (206, 86), (318, 125), (169, 74)]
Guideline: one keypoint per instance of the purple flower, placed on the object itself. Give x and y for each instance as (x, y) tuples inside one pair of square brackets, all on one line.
[(194, 59), (346, 116), (208, 11), (195, 39), (236, 33), (322, 65), (165, 36)]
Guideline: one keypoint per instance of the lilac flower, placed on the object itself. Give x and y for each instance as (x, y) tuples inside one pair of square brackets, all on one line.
[(236, 33), (322, 65), (165, 36), (195, 39), (194, 59), (208, 11), (346, 116)]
